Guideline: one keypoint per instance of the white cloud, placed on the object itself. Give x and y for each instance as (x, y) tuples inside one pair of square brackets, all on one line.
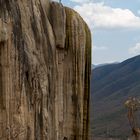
[(135, 49), (98, 15)]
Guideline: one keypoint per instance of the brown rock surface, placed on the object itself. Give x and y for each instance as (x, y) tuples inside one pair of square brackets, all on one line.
[(45, 64)]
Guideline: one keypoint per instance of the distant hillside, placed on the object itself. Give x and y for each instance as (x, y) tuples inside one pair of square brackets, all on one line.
[(104, 64), (111, 85)]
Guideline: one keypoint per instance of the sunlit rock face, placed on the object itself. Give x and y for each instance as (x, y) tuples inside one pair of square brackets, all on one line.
[(45, 63)]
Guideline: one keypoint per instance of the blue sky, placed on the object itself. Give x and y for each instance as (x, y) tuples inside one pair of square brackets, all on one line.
[(115, 27)]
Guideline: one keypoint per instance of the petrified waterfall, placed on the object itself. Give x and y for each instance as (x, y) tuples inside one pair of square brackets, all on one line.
[(45, 65)]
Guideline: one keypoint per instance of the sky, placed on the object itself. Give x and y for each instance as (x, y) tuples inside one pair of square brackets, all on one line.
[(115, 27)]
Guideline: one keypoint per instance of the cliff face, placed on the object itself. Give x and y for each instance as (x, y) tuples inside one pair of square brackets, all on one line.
[(45, 62)]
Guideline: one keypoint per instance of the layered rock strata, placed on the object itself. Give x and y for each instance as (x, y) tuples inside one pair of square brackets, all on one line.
[(45, 51)]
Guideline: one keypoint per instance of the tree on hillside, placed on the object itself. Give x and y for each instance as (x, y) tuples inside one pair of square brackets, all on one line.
[(133, 106)]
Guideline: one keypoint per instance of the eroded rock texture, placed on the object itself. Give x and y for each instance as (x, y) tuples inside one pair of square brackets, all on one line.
[(45, 52)]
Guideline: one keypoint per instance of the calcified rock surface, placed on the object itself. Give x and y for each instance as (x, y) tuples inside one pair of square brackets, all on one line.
[(45, 52)]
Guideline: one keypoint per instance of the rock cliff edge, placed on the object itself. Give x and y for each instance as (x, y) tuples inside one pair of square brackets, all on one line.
[(45, 64)]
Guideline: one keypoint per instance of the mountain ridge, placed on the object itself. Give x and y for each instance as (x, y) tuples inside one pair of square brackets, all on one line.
[(111, 85)]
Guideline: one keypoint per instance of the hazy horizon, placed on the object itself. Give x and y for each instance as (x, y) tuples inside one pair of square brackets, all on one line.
[(114, 61)]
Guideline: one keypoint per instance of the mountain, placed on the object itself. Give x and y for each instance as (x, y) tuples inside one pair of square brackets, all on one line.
[(104, 64), (111, 85)]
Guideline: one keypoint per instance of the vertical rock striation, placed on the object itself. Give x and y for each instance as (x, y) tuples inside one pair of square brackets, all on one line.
[(45, 51)]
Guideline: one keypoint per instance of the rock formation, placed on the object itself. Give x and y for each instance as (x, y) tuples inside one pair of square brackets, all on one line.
[(45, 65)]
